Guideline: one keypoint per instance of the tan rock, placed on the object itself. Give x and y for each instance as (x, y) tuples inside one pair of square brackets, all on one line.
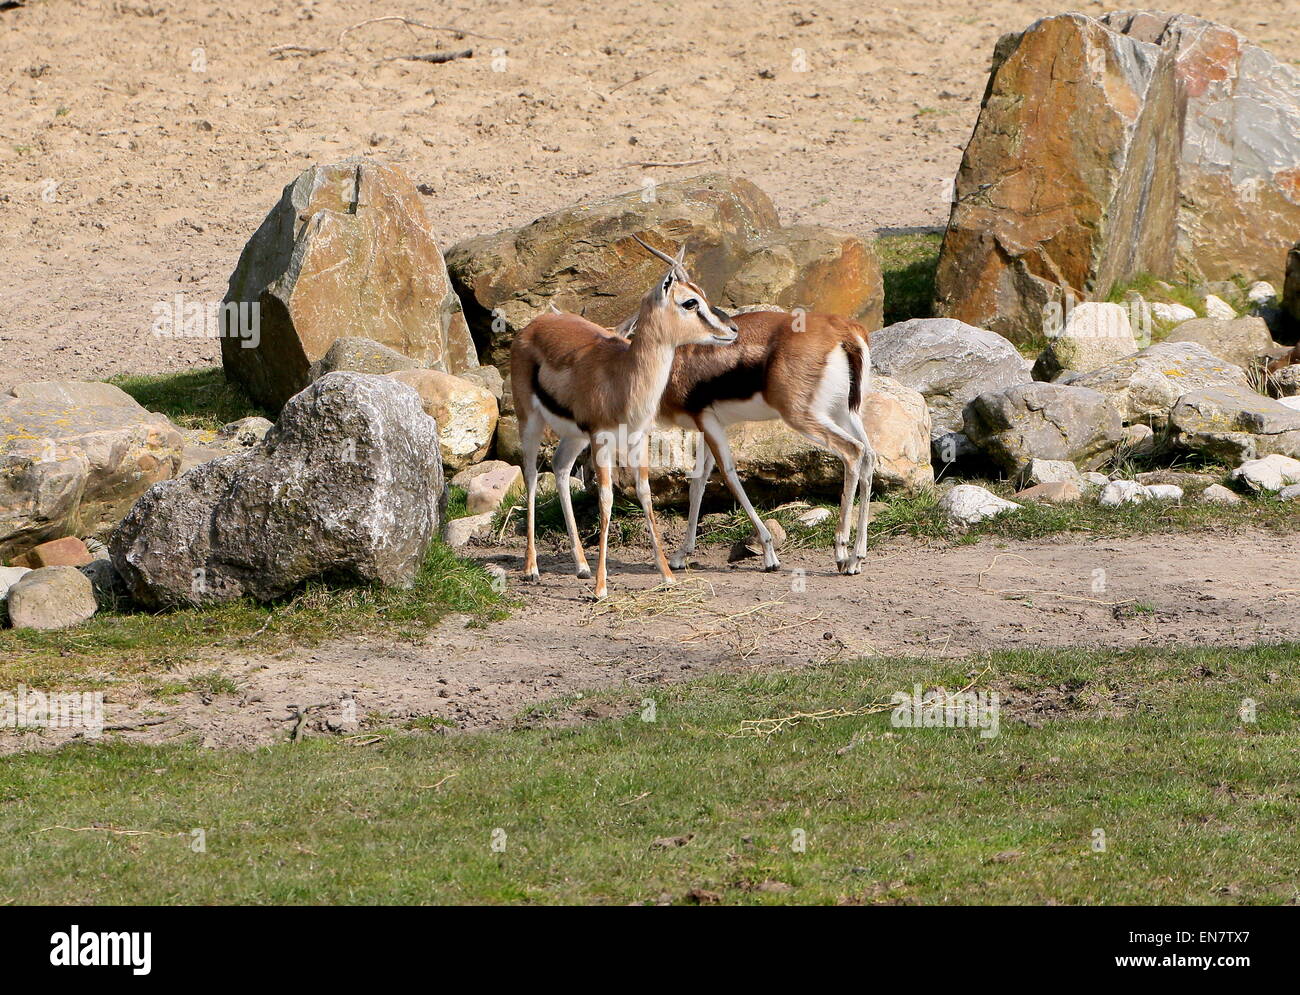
[(488, 491), (51, 598), (1190, 163), (898, 424), (348, 251), (66, 552), (1053, 492), (73, 459), (1094, 334), (817, 269), (466, 413), (1243, 342)]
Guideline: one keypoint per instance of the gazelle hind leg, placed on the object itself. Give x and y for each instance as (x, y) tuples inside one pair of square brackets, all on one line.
[(530, 438), (866, 473), (568, 451), (647, 506), (839, 442), (604, 478), (716, 437), (704, 464)]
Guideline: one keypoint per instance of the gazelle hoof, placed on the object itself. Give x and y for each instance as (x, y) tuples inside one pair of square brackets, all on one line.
[(532, 576), (601, 593), (678, 563), (853, 566), (584, 573)]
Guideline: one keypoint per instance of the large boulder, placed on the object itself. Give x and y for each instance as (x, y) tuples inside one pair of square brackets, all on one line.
[(583, 259), (356, 355), (1044, 421), (948, 361), (349, 482), (1268, 473), (1108, 148), (1244, 342), (817, 269), (466, 413), (1146, 386), (1235, 423), (74, 457), (347, 252)]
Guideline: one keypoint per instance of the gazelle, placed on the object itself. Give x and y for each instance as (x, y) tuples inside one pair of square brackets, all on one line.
[(593, 387), (809, 370)]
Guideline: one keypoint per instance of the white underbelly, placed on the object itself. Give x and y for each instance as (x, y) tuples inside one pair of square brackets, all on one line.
[(561, 426), (752, 409)]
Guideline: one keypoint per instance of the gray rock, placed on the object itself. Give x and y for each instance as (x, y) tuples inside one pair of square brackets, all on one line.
[(246, 431), (51, 598), (1095, 334), (1044, 421), (349, 482), (1119, 492), (1242, 341), (1146, 386), (1050, 471), (110, 590), (1270, 473), (1236, 423), (1291, 493), (949, 362), (74, 456), (359, 355), (967, 504), (1218, 494), (461, 530)]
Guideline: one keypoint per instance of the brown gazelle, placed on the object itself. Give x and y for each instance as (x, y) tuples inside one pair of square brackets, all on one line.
[(811, 371), (591, 386)]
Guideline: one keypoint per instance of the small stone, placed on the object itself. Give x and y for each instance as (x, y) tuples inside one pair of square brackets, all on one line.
[(487, 491), (1272, 473), (967, 504), (1218, 494), (1217, 307), (1094, 479), (1051, 492), (1163, 311), (814, 517), (51, 598), (1050, 471), (1119, 492), (1261, 292), (246, 431), (66, 552), (1291, 493), (1164, 492), (460, 531)]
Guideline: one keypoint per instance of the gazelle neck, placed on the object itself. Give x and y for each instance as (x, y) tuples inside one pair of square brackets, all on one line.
[(645, 370)]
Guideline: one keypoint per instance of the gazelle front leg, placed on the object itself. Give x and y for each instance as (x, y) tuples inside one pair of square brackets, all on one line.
[(716, 437), (602, 451), (647, 506), (569, 449), (704, 464)]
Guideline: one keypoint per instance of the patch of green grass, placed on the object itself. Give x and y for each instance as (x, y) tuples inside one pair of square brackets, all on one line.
[(908, 262), (456, 506), (201, 399), (1144, 749), (145, 643)]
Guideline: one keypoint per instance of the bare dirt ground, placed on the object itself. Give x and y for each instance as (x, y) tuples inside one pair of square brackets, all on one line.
[(141, 141), (915, 599)]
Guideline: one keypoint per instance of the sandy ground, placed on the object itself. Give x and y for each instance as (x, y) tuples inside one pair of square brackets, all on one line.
[(914, 600), (141, 141)]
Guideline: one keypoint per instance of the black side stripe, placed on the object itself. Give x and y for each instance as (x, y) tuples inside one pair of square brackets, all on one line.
[(550, 403), (739, 383)]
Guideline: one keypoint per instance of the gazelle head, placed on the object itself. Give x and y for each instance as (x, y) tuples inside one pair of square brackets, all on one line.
[(676, 312)]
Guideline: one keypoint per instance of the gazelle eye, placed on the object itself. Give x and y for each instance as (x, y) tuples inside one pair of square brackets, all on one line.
[(691, 305)]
